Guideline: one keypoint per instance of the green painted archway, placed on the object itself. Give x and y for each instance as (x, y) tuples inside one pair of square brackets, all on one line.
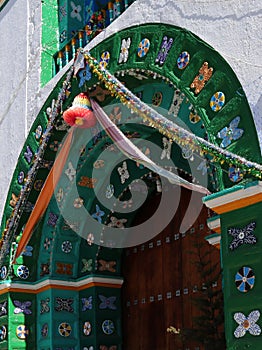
[(185, 80)]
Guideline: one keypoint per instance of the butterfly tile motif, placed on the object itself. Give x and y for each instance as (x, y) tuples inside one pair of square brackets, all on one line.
[(87, 303), (28, 251), (242, 235), (230, 133), (64, 268), (107, 302), (165, 47), (44, 330), (247, 324), (3, 308), (204, 74), (28, 154), (124, 51), (87, 265), (22, 307), (44, 304), (104, 59), (110, 190), (98, 214), (123, 172), (107, 265), (90, 239), (64, 304)]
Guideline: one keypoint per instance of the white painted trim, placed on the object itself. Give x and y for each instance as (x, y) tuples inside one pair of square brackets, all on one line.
[(234, 196), (214, 240), (49, 282), (214, 224)]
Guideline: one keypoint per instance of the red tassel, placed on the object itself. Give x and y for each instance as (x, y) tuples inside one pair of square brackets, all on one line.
[(80, 114)]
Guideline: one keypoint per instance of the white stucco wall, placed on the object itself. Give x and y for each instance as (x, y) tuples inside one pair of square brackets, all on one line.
[(232, 27)]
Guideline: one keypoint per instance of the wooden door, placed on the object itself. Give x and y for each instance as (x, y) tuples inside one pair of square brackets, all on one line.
[(163, 284)]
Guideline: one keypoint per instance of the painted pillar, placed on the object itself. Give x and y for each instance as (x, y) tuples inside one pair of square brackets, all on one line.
[(240, 210)]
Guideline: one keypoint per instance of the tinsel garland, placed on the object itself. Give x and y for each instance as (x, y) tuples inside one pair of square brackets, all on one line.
[(174, 132), (12, 223)]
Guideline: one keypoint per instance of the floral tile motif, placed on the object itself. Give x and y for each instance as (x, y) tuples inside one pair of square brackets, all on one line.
[(104, 59), (164, 50), (13, 200), (230, 133), (107, 302), (118, 223), (84, 75), (205, 73), (100, 163), (247, 324), (124, 51), (66, 247), (38, 184), (157, 99), (3, 332), (143, 47), (64, 329), (107, 265), (217, 101), (59, 195), (98, 214), (245, 279), (47, 243), (235, 174), (123, 172), (87, 303), (38, 132), (22, 272), (87, 328), (183, 60), (22, 332), (22, 307), (110, 190), (242, 235), (64, 304), (78, 202), (90, 239), (108, 327), (21, 177)]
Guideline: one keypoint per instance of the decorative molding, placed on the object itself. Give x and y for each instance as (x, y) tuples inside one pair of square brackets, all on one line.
[(224, 202), (59, 284)]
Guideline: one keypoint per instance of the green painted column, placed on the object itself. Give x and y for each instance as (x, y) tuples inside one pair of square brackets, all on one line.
[(240, 211)]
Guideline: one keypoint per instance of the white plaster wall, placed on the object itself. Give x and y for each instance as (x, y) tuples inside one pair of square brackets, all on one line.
[(232, 27)]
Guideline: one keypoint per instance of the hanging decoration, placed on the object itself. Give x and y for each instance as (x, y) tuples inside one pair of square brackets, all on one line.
[(247, 324), (167, 127), (80, 114)]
